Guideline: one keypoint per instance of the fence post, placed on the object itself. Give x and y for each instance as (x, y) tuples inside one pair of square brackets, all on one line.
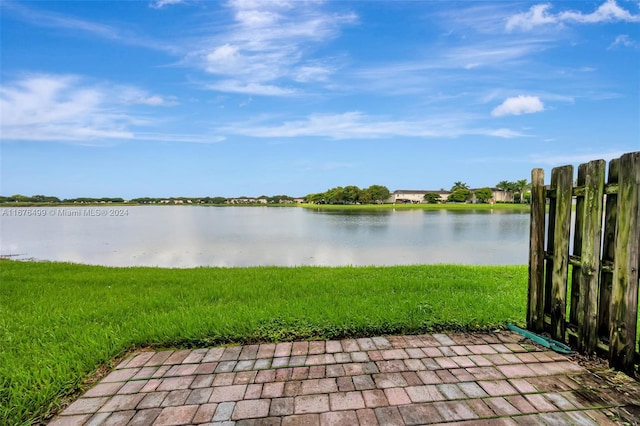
[(535, 306), (562, 180), (591, 231), (624, 296)]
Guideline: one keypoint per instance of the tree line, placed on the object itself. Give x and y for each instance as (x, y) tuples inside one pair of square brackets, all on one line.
[(375, 194), (47, 199), (19, 198)]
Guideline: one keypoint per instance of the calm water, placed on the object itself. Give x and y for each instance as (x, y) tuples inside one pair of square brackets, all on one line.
[(185, 236)]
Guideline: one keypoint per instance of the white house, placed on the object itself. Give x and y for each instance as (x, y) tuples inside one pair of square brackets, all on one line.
[(402, 196)]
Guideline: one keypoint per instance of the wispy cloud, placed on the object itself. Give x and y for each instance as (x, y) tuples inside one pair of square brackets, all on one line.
[(358, 125), (518, 105), (178, 137), (46, 19), (541, 14), (492, 52), (623, 40), (43, 18), (481, 17), (47, 107), (475, 65), (159, 4), (155, 100), (266, 47), (66, 108), (505, 133), (250, 88)]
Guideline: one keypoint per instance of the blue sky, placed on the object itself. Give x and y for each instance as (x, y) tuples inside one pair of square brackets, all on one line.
[(209, 98)]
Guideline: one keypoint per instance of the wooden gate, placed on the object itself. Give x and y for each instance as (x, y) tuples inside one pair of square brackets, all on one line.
[(589, 297)]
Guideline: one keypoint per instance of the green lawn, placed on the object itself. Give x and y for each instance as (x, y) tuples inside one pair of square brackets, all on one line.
[(59, 322)]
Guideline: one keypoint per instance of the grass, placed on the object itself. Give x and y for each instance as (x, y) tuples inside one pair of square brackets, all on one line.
[(60, 322)]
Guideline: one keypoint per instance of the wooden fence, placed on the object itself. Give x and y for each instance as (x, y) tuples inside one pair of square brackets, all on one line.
[(587, 298)]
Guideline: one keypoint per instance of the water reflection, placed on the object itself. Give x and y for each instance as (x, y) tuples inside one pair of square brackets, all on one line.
[(185, 236)]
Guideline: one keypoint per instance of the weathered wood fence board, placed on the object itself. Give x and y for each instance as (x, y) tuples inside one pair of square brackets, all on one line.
[(603, 301), (562, 185), (624, 293), (591, 240), (535, 310)]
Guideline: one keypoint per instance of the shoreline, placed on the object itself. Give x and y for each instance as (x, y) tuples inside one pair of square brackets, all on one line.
[(444, 206)]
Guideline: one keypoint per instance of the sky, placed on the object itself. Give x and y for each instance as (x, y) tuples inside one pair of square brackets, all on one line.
[(235, 98)]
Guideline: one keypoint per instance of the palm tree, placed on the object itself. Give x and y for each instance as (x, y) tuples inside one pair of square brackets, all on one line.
[(521, 186), (504, 185), (459, 185)]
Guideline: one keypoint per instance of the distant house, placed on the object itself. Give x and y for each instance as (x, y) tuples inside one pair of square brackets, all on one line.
[(403, 196), (246, 200), (175, 201), (501, 196)]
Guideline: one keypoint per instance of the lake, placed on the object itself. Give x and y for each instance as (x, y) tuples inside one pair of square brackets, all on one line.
[(189, 236)]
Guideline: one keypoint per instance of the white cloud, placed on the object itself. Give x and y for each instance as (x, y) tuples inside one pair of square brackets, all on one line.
[(135, 96), (357, 125), (505, 133), (268, 45), (48, 107), (540, 14), (159, 4), (66, 108), (518, 105), (224, 59), (609, 11), (537, 15), (155, 100)]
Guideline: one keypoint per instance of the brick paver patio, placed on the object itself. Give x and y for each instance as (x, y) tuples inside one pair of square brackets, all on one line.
[(497, 378)]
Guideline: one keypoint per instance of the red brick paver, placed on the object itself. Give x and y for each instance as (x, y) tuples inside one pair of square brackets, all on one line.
[(474, 379)]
